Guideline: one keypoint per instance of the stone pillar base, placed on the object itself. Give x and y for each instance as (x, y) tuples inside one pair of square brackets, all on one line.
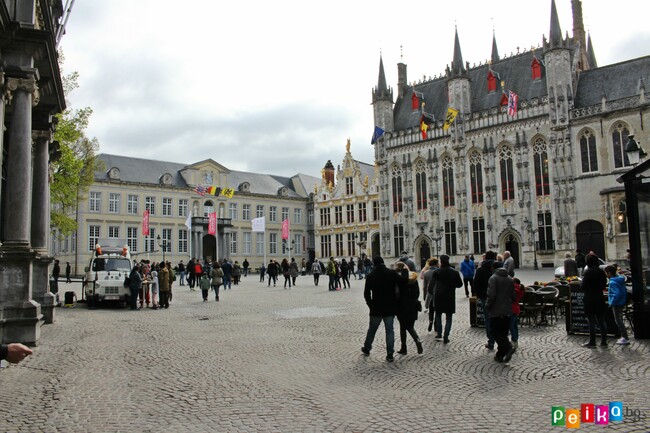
[(20, 316), (41, 288)]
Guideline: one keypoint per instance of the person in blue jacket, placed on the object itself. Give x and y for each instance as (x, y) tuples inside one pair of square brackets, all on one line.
[(467, 268), (617, 296)]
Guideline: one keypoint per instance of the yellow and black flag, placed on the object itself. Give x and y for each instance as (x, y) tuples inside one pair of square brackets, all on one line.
[(449, 119)]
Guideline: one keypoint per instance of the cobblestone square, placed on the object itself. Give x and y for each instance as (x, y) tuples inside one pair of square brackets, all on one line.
[(269, 359)]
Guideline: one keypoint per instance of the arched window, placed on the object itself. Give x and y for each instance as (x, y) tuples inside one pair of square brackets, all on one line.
[(507, 173), (476, 177), (540, 159), (396, 183), (588, 151), (208, 208), (448, 181), (619, 139), (536, 69), (421, 185)]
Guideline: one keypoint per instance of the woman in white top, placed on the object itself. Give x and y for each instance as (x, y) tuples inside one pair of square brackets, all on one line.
[(154, 287)]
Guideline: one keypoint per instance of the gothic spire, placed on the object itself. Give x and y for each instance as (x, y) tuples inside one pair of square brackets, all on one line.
[(591, 55), (555, 34), (457, 66), (381, 82), (495, 51)]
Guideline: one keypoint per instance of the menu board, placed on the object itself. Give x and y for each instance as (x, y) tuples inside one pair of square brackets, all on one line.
[(576, 319), (476, 316)]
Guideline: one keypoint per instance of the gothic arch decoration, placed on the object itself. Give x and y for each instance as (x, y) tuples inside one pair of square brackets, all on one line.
[(505, 155), (475, 161), (420, 173), (422, 250), (511, 240)]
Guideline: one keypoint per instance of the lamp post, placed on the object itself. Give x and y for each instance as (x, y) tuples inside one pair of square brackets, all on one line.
[(634, 151), (533, 233), (361, 243), (437, 240), (162, 243)]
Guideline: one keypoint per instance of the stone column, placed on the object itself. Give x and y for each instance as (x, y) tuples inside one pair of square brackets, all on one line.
[(41, 226), (20, 316)]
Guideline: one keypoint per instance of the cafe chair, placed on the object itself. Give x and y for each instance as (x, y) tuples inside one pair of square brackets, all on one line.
[(550, 296), (531, 307), (564, 293)]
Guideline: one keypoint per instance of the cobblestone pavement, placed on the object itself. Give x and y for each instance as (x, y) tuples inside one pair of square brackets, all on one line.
[(266, 359)]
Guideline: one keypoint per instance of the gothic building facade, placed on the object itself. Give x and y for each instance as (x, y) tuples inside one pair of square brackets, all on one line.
[(533, 171)]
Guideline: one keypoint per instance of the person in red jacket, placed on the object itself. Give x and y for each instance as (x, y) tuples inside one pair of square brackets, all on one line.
[(516, 310)]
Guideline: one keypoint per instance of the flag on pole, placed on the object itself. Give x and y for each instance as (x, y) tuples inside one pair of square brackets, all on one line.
[(451, 116), (513, 98), (259, 224), (200, 190), (227, 192), (145, 223), (212, 223), (285, 229), (423, 127), (376, 135), (188, 222), (213, 190)]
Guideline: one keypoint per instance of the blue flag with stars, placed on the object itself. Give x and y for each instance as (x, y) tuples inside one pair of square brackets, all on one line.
[(376, 135)]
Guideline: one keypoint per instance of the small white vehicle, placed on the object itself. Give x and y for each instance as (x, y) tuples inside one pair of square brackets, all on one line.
[(106, 274)]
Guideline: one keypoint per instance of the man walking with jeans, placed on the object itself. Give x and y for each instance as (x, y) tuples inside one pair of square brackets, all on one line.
[(381, 296)]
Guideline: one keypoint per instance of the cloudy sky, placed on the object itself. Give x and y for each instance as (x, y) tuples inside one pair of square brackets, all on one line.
[(278, 87)]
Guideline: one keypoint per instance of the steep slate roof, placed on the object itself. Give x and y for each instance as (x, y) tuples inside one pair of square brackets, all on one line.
[(366, 170), (515, 71), (617, 81), (148, 171)]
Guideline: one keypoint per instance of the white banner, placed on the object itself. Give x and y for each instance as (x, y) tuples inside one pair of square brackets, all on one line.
[(258, 224)]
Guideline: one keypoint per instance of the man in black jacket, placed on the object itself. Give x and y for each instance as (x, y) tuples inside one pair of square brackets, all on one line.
[(479, 289), (381, 296)]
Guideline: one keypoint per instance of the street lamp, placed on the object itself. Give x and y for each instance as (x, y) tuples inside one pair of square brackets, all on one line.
[(437, 239), (163, 245), (361, 242), (634, 151), (533, 233)]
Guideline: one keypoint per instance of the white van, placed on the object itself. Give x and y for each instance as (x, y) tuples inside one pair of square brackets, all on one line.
[(106, 274)]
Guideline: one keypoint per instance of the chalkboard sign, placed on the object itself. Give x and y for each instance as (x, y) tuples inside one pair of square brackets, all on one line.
[(576, 319), (476, 316)]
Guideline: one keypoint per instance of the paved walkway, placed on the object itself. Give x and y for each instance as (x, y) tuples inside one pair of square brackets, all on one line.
[(274, 360)]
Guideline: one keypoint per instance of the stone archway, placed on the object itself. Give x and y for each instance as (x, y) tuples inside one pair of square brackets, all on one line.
[(209, 246), (422, 251), (512, 244), (590, 236)]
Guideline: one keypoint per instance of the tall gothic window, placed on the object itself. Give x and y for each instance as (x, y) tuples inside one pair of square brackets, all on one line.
[(478, 232), (421, 185), (396, 182), (545, 232), (540, 157), (450, 238), (507, 174), (588, 151), (476, 177), (448, 181), (619, 139)]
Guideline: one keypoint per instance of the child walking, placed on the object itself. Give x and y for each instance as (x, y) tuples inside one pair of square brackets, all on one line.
[(617, 296), (204, 284)]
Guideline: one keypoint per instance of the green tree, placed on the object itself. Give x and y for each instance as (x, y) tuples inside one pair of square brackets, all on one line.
[(73, 172)]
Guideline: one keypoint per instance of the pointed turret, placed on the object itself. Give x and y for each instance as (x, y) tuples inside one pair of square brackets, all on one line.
[(591, 55), (495, 51), (555, 33), (382, 101), (579, 35), (457, 66)]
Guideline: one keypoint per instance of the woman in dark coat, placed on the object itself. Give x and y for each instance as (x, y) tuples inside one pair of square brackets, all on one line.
[(446, 280), (594, 283), (409, 294)]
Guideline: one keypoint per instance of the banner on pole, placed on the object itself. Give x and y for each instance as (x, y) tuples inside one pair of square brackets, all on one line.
[(145, 223), (212, 223), (285, 229), (259, 224)]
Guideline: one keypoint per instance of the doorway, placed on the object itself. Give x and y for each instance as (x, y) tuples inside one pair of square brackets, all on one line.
[(590, 236), (425, 253), (512, 245)]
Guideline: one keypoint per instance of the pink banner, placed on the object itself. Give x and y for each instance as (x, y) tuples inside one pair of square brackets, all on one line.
[(285, 229), (212, 223), (145, 223)]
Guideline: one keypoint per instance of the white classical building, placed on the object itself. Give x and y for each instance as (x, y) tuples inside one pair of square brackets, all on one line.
[(113, 211)]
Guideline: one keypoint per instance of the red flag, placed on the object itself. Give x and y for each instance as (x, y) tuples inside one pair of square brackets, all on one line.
[(212, 223), (415, 102), (145, 223), (285, 229)]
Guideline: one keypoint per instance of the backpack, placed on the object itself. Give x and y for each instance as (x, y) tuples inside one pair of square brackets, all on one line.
[(172, 275)]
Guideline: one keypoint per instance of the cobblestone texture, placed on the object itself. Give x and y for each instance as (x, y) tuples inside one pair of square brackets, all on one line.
[(274, 360)]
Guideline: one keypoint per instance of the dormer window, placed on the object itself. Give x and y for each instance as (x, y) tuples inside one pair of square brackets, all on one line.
[(492, 80), (165, 179), (283, 191), (114, 173), (244, 187), (536, 69)]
